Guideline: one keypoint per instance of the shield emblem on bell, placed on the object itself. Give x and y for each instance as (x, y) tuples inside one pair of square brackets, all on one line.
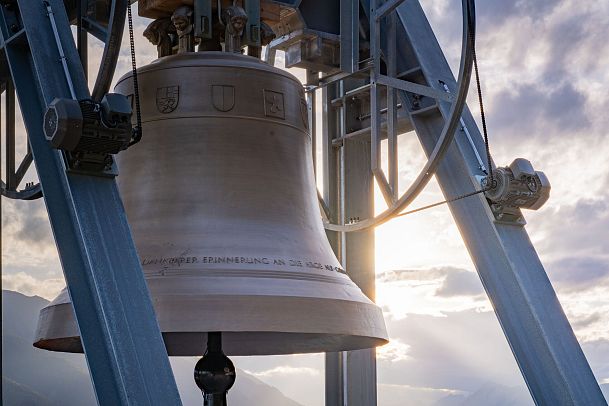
[(223, 97), (167, 98)]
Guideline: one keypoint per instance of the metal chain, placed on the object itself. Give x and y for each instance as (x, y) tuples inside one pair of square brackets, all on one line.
[(137, 131), (482, 115), (491, 182)]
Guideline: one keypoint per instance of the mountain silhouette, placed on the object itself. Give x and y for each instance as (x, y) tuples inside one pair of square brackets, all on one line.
[(35, 377)]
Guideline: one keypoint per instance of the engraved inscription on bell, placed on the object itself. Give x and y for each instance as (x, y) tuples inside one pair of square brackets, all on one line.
[(273, 104), (167, 98), (223, 97)]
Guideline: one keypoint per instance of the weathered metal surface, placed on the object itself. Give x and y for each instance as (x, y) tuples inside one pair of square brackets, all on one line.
[(221, 200)]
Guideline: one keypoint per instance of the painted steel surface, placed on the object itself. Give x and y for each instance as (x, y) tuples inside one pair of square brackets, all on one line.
[(551, 361), (121, 338), (222, 203)]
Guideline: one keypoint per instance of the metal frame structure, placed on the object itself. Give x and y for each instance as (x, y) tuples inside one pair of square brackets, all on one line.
[(406, 83), (542, 341), (123, 345)]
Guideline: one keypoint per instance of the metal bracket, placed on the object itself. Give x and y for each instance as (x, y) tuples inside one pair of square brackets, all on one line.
[(252, 30), (203, 19)]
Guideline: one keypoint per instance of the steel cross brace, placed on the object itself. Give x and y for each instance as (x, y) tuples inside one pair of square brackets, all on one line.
[(538, 332), (119, 332)]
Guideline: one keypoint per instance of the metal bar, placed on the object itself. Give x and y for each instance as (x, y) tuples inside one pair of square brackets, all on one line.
[(81, 36), (375, 144), (203, 18), (384, 110), (94, 28), (333, 360), (375, 115), (252, 31), (119, 332), (349, 35), (481, 164), (269, 56), (359, 367), (9, 113), (23, 167), (385, 9), (337, 77), (392, 113), (415, 88), (62, 56), (546, 350), (353, 92)]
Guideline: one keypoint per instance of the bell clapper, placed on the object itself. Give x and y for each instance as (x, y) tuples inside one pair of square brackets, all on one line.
[(215, 372)]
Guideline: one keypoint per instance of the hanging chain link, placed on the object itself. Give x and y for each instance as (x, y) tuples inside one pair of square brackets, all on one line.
[(137, 131)]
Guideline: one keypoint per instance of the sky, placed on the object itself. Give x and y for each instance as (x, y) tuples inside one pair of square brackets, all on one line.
[(544, 74)]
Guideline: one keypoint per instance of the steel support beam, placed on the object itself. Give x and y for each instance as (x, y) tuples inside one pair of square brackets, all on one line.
[(359, 367), (331, 188), (349, 191), (119, 332), (349, 35), (544, 345)]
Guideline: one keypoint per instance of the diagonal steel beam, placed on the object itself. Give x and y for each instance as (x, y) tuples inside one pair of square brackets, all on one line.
[(119, 332), (544, 345)]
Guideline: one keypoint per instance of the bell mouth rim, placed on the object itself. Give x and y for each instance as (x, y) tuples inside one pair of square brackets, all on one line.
[(174, 347), (250, 325)]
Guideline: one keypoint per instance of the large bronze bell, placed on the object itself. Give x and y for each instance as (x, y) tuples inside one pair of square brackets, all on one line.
[(222, 203)]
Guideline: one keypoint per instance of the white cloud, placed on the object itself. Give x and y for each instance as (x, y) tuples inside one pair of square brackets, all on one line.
[(395, 351), (285, 370), (28, 285), (434, 292)]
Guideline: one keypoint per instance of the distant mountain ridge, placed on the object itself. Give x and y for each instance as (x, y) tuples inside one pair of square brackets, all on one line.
[(34, 377)]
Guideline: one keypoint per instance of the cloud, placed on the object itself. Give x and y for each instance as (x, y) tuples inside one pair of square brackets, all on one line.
[(407, 395), (571, 238), (28, 285), (416, 274), (461, 283), (34, 227), (455, 281), (586, 321), (460, 351), (578, 273), (285, 370), (540, 111), (395, 351)]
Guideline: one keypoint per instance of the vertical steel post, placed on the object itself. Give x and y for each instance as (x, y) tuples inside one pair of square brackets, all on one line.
[(392, 111), (9, 113), (359, 366), (350, 375), (333, 361), (252, 30), (375, 107), (81, 35), (349, 35), (203, 18)]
